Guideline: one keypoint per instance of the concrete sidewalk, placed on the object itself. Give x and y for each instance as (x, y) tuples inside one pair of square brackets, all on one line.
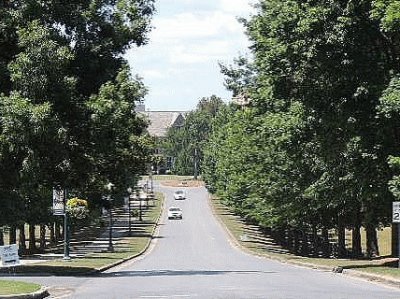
[(80, 247)]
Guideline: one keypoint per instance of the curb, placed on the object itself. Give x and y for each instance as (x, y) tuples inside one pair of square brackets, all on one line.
[(42, 293), (335, 269), (372, 277)]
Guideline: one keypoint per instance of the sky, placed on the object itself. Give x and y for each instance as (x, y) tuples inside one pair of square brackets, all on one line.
[(179, 65)]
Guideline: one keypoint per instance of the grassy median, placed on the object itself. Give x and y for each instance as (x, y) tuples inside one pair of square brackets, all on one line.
[(249, 238), (8, 287)]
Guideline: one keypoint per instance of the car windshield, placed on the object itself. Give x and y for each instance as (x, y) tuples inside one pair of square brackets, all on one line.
[(179, 192), (174, 209)]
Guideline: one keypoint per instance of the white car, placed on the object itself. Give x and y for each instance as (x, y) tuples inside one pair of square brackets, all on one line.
[(174, 213), (179, 194)]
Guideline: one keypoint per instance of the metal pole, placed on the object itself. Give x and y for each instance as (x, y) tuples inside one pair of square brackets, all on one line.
[(195, 163), (110, 245), (140, 209), (129, 211), (66, 229), (66, 237), (151, 180), (398, 242)]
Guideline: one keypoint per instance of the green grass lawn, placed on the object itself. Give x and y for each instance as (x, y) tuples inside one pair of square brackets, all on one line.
[(8, 287), (249, 238)]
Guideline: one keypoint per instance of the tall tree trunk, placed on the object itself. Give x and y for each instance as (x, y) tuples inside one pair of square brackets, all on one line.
[(341, 232), (1, 236), (22, 239), (356, 241), (32, 238), (325, 242), (13, 235), (284, 237), (296, 241), (42, 237), (304, 243), (395, 236), (52, 234), (315, 243), (372, 241)]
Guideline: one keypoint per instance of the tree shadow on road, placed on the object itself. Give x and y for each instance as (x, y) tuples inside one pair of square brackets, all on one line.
[(154, 273)]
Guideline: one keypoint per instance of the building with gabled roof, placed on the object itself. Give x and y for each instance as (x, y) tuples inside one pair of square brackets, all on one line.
[(159, 124), (161, 121)]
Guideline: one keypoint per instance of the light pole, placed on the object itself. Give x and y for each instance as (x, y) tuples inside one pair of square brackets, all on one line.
[(109, 188), (60, 209), (195, 163), (129, 208), (151, 178), (140, 206)]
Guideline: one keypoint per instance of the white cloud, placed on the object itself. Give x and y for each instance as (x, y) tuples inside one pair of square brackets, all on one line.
[(193, 26), (180, 63), (200, 37), (151, 73), (238, 7), (207, 51)]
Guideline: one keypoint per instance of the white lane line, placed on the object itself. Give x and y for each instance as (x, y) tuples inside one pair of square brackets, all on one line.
[(169, 296)]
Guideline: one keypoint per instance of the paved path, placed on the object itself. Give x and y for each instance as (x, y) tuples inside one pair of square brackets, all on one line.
[(81, 246), (192, 258)]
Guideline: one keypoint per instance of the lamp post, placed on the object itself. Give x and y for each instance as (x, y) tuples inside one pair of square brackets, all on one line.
[(151, 179), (63, 193), (140, 206), (109, 188), (129, 208)]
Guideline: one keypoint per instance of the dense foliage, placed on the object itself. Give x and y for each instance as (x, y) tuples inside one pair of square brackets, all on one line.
[(311, 151), (186, 143), (67, 102)]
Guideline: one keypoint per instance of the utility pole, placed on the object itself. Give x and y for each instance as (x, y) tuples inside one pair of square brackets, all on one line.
[(195, 163)]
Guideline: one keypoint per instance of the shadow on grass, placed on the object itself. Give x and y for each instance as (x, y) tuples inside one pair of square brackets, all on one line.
[(388, 264)]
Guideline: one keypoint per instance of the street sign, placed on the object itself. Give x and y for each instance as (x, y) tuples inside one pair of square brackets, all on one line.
[(396, 212), (58, 202), (9, 255)]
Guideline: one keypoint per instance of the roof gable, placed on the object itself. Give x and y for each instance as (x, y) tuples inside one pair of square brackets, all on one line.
[(161, 121)]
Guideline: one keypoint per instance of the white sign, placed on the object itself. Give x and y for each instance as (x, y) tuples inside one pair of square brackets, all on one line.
[(9, 255), (58, 202), (396, 212)]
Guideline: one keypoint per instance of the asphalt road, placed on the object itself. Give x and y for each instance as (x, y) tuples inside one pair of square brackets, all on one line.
[(192, 258)]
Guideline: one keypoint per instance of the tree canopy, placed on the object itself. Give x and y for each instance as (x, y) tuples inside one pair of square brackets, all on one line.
[(186, 143), (67, 101), (311, 150)]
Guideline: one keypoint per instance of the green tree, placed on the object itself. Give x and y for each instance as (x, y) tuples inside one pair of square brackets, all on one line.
[(186, 143), (57, 69), (320, 114), (119, 146)]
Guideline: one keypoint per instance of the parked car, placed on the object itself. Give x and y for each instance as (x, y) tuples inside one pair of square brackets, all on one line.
[(174, 213), (179, 194)]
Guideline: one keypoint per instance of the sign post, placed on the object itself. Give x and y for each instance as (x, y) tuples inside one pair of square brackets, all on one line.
[(59, 203), (396, 219)]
